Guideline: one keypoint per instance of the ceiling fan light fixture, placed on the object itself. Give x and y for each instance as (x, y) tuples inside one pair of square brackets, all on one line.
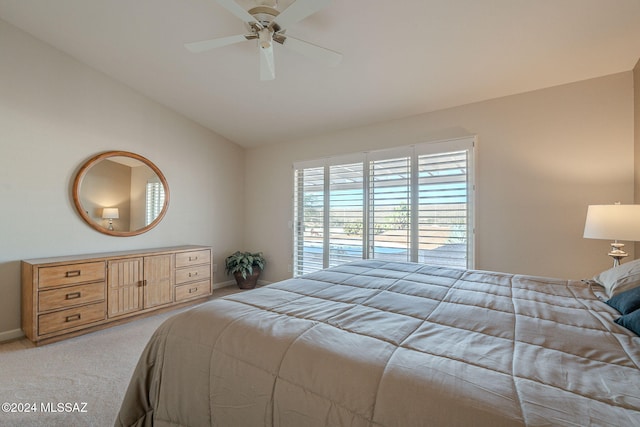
[(265, 38)]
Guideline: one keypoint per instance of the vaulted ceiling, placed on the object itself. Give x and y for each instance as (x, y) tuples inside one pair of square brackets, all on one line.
[(401, 57)]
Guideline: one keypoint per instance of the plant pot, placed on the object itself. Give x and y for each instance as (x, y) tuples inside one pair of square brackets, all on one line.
[(251, 280)]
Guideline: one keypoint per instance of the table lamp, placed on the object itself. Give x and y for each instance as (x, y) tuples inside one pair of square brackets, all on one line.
[(615, 222)]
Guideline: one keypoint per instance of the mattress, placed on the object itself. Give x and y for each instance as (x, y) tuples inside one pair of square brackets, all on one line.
[(375, 343)]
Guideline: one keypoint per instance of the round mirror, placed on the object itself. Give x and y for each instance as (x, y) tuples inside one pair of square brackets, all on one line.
[(120, 193)]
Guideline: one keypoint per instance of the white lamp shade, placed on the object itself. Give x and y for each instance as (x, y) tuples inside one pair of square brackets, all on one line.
[(613, 222), (110, 213)]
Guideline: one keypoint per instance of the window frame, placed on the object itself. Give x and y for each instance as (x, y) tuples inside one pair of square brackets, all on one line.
[(413, 152)]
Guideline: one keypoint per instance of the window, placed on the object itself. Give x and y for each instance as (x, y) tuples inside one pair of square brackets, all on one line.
[(389, 230), (154, 200), (408, 204)]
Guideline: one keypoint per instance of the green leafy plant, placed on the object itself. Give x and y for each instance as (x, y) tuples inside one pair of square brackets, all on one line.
[(352, 228), (401, 216), (243, 262)]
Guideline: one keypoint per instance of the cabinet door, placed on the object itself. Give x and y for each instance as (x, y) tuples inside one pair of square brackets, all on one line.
[(124, 286), (158, 276)]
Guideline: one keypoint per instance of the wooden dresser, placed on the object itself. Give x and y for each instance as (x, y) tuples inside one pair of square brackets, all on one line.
[(68, 296)]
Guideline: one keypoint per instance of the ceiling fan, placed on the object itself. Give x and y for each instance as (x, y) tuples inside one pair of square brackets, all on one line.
[(267, 25)]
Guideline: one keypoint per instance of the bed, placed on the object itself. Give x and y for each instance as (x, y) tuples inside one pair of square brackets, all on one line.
[(375, 343)]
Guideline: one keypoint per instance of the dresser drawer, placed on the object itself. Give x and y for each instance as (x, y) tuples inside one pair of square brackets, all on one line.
[(70, 318), (188, 274), (185, 259), (71, 274), (71, 295), (193, 290)]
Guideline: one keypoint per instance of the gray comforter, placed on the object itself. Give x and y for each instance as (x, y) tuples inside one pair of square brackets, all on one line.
[(392, 344)]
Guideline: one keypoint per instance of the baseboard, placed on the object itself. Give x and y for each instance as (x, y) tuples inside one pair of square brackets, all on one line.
[(11, 335), (220, 285), (233, 283)]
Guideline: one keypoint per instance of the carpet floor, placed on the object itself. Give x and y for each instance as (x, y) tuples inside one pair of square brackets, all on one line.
[(77, 382)]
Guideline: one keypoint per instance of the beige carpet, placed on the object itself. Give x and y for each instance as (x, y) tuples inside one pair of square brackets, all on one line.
[(76, 382)]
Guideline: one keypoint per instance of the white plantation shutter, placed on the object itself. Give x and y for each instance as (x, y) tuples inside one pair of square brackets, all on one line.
[(309, 223), (346, 211), (407, 204), (443, 223), (390, 209), (154, 200)]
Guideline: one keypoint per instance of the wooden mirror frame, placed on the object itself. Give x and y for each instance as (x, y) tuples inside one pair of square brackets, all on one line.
[(77, 183)]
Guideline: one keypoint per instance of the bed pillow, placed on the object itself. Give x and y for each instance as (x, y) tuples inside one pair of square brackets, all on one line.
[(627, 301), (621, 278), (630, 321)]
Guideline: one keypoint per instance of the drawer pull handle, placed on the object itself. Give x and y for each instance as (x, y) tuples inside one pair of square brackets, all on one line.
[(72, 318), (192, 290), (74, 273), (73, 295), (193, 274), (195, 258)]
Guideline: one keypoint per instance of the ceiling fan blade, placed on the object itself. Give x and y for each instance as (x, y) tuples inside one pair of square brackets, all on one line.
[(237, 10), (299, 10), (197, 47), (312, 51), (267, 64)]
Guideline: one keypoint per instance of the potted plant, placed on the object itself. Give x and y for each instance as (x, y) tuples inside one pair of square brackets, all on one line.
[(245, 267)]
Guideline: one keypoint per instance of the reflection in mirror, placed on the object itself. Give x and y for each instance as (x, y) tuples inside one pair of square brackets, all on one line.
[(121, 193)]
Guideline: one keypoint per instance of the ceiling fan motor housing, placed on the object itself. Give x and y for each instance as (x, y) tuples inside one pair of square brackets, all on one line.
[(265, 16)]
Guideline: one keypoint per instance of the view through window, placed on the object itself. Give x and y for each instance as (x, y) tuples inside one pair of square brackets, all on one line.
[(408, 204)]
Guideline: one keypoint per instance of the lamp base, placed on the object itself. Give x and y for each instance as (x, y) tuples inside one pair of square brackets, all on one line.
[(617, 253)]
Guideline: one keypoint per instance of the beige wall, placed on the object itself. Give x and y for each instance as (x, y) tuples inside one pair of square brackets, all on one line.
[(542, 157), (56, 113), (636, 120)]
